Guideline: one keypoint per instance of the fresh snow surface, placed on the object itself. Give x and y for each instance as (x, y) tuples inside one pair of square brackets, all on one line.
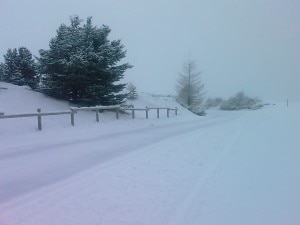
[(225, 168)]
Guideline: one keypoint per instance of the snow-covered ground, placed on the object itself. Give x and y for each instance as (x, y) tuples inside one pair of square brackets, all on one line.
[(222, 169)]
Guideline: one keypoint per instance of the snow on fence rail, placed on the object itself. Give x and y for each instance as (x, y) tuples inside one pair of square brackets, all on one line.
[(39, 115), (149, 108), (168, 111), (97, 109), (74, 110), (136, 109)]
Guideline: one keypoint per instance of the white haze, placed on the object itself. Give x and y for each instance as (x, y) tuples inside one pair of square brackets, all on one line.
[(238, 45)]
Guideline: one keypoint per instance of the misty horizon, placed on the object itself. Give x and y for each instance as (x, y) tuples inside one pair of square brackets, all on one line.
[(238, 46)]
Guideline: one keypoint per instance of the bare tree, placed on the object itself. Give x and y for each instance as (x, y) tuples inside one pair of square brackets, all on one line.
[(132, 93), (190, 88)]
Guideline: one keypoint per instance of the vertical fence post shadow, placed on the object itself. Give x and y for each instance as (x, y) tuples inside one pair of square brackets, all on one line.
[(39, 120)]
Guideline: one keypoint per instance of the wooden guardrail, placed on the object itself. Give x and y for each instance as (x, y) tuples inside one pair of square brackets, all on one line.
[(150, 108), (97, 109), (168, 110), (136, 109), (74, 110), (39, 115)]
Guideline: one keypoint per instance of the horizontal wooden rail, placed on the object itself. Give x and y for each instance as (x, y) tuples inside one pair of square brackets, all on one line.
[(158, 108), (95, 108), (150, 108), (136, 109), (34, 114), (74, 110), (39, 115)]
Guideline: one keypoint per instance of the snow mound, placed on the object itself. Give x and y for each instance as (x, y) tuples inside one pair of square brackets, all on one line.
[(153, 100), (21, 99)]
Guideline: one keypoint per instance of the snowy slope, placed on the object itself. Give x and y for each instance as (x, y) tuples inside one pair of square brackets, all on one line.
[(225, 168), (17, 100)]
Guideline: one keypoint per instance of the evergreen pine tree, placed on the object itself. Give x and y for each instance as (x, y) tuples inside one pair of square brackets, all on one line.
[(82, 65), (19, 67), (27, 68), (2, 72), (11, 63)]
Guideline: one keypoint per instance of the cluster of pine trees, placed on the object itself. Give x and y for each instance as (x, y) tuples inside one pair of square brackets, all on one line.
[(19, 68), (80, 66)]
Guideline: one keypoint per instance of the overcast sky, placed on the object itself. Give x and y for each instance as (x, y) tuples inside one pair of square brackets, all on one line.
[(249, 45)]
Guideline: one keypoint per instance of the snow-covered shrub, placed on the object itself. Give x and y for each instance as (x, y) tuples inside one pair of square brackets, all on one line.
[(213, 102), (241, 101)]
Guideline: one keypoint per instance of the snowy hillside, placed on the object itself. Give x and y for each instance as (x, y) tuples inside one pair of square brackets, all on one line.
[(222, 169), (17, 100)]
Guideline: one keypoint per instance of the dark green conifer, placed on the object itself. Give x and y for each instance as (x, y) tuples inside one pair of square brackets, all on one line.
[(82, 65)]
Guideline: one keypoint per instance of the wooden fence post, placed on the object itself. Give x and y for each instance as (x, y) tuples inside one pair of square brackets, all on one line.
[(147, 112), (117, 114), (176, 109), (168, 112), (97, 115), (72, 117), (39, 120), (157, 113), (133, 116)]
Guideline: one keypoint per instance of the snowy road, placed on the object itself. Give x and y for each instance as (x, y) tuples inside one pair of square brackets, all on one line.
[(228, 168), (46, 161), (255, 180)]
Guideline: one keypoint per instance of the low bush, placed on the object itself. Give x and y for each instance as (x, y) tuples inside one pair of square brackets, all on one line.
[(213, 102), (241, 101)]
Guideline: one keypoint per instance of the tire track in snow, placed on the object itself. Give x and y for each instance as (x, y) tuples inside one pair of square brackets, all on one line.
[(51, 161), (44, 145), (77, 181), (180, 213)]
